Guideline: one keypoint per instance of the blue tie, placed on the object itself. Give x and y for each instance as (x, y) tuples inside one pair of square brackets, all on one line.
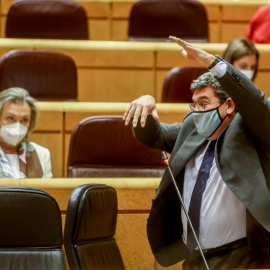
[(196, 197)]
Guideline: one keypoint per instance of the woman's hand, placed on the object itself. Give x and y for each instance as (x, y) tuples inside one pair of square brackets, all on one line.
[(141, 107), (194, 54)]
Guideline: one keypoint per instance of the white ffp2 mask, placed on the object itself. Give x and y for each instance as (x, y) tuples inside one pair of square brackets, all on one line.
[(248, 73), (13, 133)]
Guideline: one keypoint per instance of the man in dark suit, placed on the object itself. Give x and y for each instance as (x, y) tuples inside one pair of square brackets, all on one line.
[(234, 218)]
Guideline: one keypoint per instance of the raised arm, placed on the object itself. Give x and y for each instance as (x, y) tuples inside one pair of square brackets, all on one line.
[(194, 54), (250, 101)]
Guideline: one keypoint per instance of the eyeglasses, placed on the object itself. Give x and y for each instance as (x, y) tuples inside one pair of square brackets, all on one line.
[(202, 106)]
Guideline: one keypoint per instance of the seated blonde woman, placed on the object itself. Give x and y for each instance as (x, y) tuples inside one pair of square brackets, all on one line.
[(18, 157)]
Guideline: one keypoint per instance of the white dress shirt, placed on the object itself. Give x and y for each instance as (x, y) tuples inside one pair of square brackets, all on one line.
[(223, 216)]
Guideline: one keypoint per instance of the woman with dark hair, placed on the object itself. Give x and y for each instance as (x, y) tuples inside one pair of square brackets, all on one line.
[(242, 54)]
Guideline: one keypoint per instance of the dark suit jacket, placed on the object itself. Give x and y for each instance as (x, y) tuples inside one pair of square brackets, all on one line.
[(242, 156)]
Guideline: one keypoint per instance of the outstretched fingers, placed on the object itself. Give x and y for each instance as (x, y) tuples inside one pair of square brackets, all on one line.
[(179, 41), (128, 113), (139, 109), (193, 53)]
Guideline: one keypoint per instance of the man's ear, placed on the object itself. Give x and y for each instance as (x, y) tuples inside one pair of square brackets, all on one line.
[(230, 106)]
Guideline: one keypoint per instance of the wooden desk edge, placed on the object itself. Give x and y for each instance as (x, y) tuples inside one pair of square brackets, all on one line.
[(72, 183)]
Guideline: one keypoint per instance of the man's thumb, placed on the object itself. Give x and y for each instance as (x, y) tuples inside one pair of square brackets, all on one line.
[(155, 114)]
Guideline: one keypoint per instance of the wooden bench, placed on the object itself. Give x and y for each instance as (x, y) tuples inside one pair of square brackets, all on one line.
[(123, 71), (109, 19)]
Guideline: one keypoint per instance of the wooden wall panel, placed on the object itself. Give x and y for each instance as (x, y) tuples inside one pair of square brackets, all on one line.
[(99, 29), (160, 78), (66, 149), (122, 9), (214, 32), (97, 9), (232, 30), (49, 120), (238, 12), (119, 30), (170, 55), (132, 241), (108, 19), (135, 200), (2, 27), (54, 142), (116, 85)]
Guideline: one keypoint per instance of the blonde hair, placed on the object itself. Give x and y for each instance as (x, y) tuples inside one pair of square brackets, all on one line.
[(19, 95)]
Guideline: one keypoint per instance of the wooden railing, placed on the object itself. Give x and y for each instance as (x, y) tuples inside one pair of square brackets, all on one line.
[(123, 71), (109, 19)]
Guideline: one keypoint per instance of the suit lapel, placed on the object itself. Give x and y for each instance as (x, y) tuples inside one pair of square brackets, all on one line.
[(186, 151)]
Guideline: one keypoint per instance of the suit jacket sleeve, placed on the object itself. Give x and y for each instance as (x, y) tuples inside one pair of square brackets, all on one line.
[(157, 135), (250, 102)]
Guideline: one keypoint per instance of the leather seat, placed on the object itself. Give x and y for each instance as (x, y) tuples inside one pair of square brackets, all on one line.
[(46, 75), (102, 146), (90, 228), (156, 20), (30, 230), (176, 87), (47, 19)]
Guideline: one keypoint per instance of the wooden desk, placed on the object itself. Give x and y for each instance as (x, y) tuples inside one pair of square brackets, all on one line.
[(134, 204), (58, 119), (109, 19), (123, 71)]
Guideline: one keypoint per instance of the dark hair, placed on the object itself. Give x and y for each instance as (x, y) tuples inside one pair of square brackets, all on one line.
[(208, 79), (239, 48)]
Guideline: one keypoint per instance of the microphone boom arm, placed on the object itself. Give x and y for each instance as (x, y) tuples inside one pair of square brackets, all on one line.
[(166, 161)]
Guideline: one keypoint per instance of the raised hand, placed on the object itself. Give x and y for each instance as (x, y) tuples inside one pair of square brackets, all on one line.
[(141, 107), (194, 54)]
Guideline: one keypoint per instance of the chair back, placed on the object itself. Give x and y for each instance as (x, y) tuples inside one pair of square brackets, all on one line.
[(257, 30), (46, 75), (156, 20), (102, 146), (90, 228), (30, 230), (176, 87), (47, 19)]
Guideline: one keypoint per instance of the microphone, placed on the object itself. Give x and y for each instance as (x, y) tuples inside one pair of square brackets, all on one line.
[(166, 161)]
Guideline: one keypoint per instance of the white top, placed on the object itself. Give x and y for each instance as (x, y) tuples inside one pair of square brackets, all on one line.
[(15, 164)]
